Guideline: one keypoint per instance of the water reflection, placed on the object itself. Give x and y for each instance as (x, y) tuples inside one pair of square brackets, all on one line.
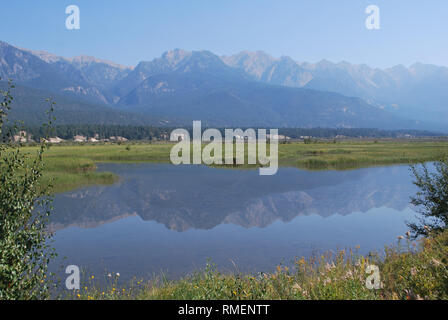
[(198, 197), (172, 219)]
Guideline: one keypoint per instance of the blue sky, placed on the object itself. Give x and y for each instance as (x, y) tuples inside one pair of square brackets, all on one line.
[(134, 30)]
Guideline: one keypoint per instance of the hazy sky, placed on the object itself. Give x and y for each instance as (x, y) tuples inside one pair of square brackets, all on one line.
[(133, 30)]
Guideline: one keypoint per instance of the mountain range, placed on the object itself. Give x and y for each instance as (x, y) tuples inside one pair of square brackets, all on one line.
[(246, 89), (415, 92)]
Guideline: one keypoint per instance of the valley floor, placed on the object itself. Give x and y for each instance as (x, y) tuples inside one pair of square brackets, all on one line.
[(72, 166), (408, 270)]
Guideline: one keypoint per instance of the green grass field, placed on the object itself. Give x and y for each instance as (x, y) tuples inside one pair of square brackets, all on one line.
[(352, 155), (74, 166)]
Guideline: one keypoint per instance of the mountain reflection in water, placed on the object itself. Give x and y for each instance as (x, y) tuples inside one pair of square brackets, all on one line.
[(173, 218), (198, 197)]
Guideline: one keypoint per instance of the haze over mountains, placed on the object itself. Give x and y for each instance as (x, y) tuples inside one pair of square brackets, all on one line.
[(246, 89), (417, 92)]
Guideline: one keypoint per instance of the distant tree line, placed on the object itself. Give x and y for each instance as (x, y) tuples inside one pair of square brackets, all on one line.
[(67, 132), (161, 133), (353, 133)]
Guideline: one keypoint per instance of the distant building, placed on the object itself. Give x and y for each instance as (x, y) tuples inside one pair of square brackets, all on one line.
[(278, 137), (117, 138), (179, 136), (79, 138), (54, 140), (23, 137)]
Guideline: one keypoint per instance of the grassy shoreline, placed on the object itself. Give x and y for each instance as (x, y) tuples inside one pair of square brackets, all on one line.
[(74, 166), (408, 270)]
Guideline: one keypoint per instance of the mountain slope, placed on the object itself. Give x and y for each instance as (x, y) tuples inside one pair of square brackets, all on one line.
[(30, 106), (417, 92), (246, 89), (201, 87), (81, 77)]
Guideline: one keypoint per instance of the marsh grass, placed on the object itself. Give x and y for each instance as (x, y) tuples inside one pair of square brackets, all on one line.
[(408, 270), (353, 155), (73, 166)]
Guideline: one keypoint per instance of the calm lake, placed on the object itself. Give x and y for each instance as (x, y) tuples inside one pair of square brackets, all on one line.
[(171, 219)]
